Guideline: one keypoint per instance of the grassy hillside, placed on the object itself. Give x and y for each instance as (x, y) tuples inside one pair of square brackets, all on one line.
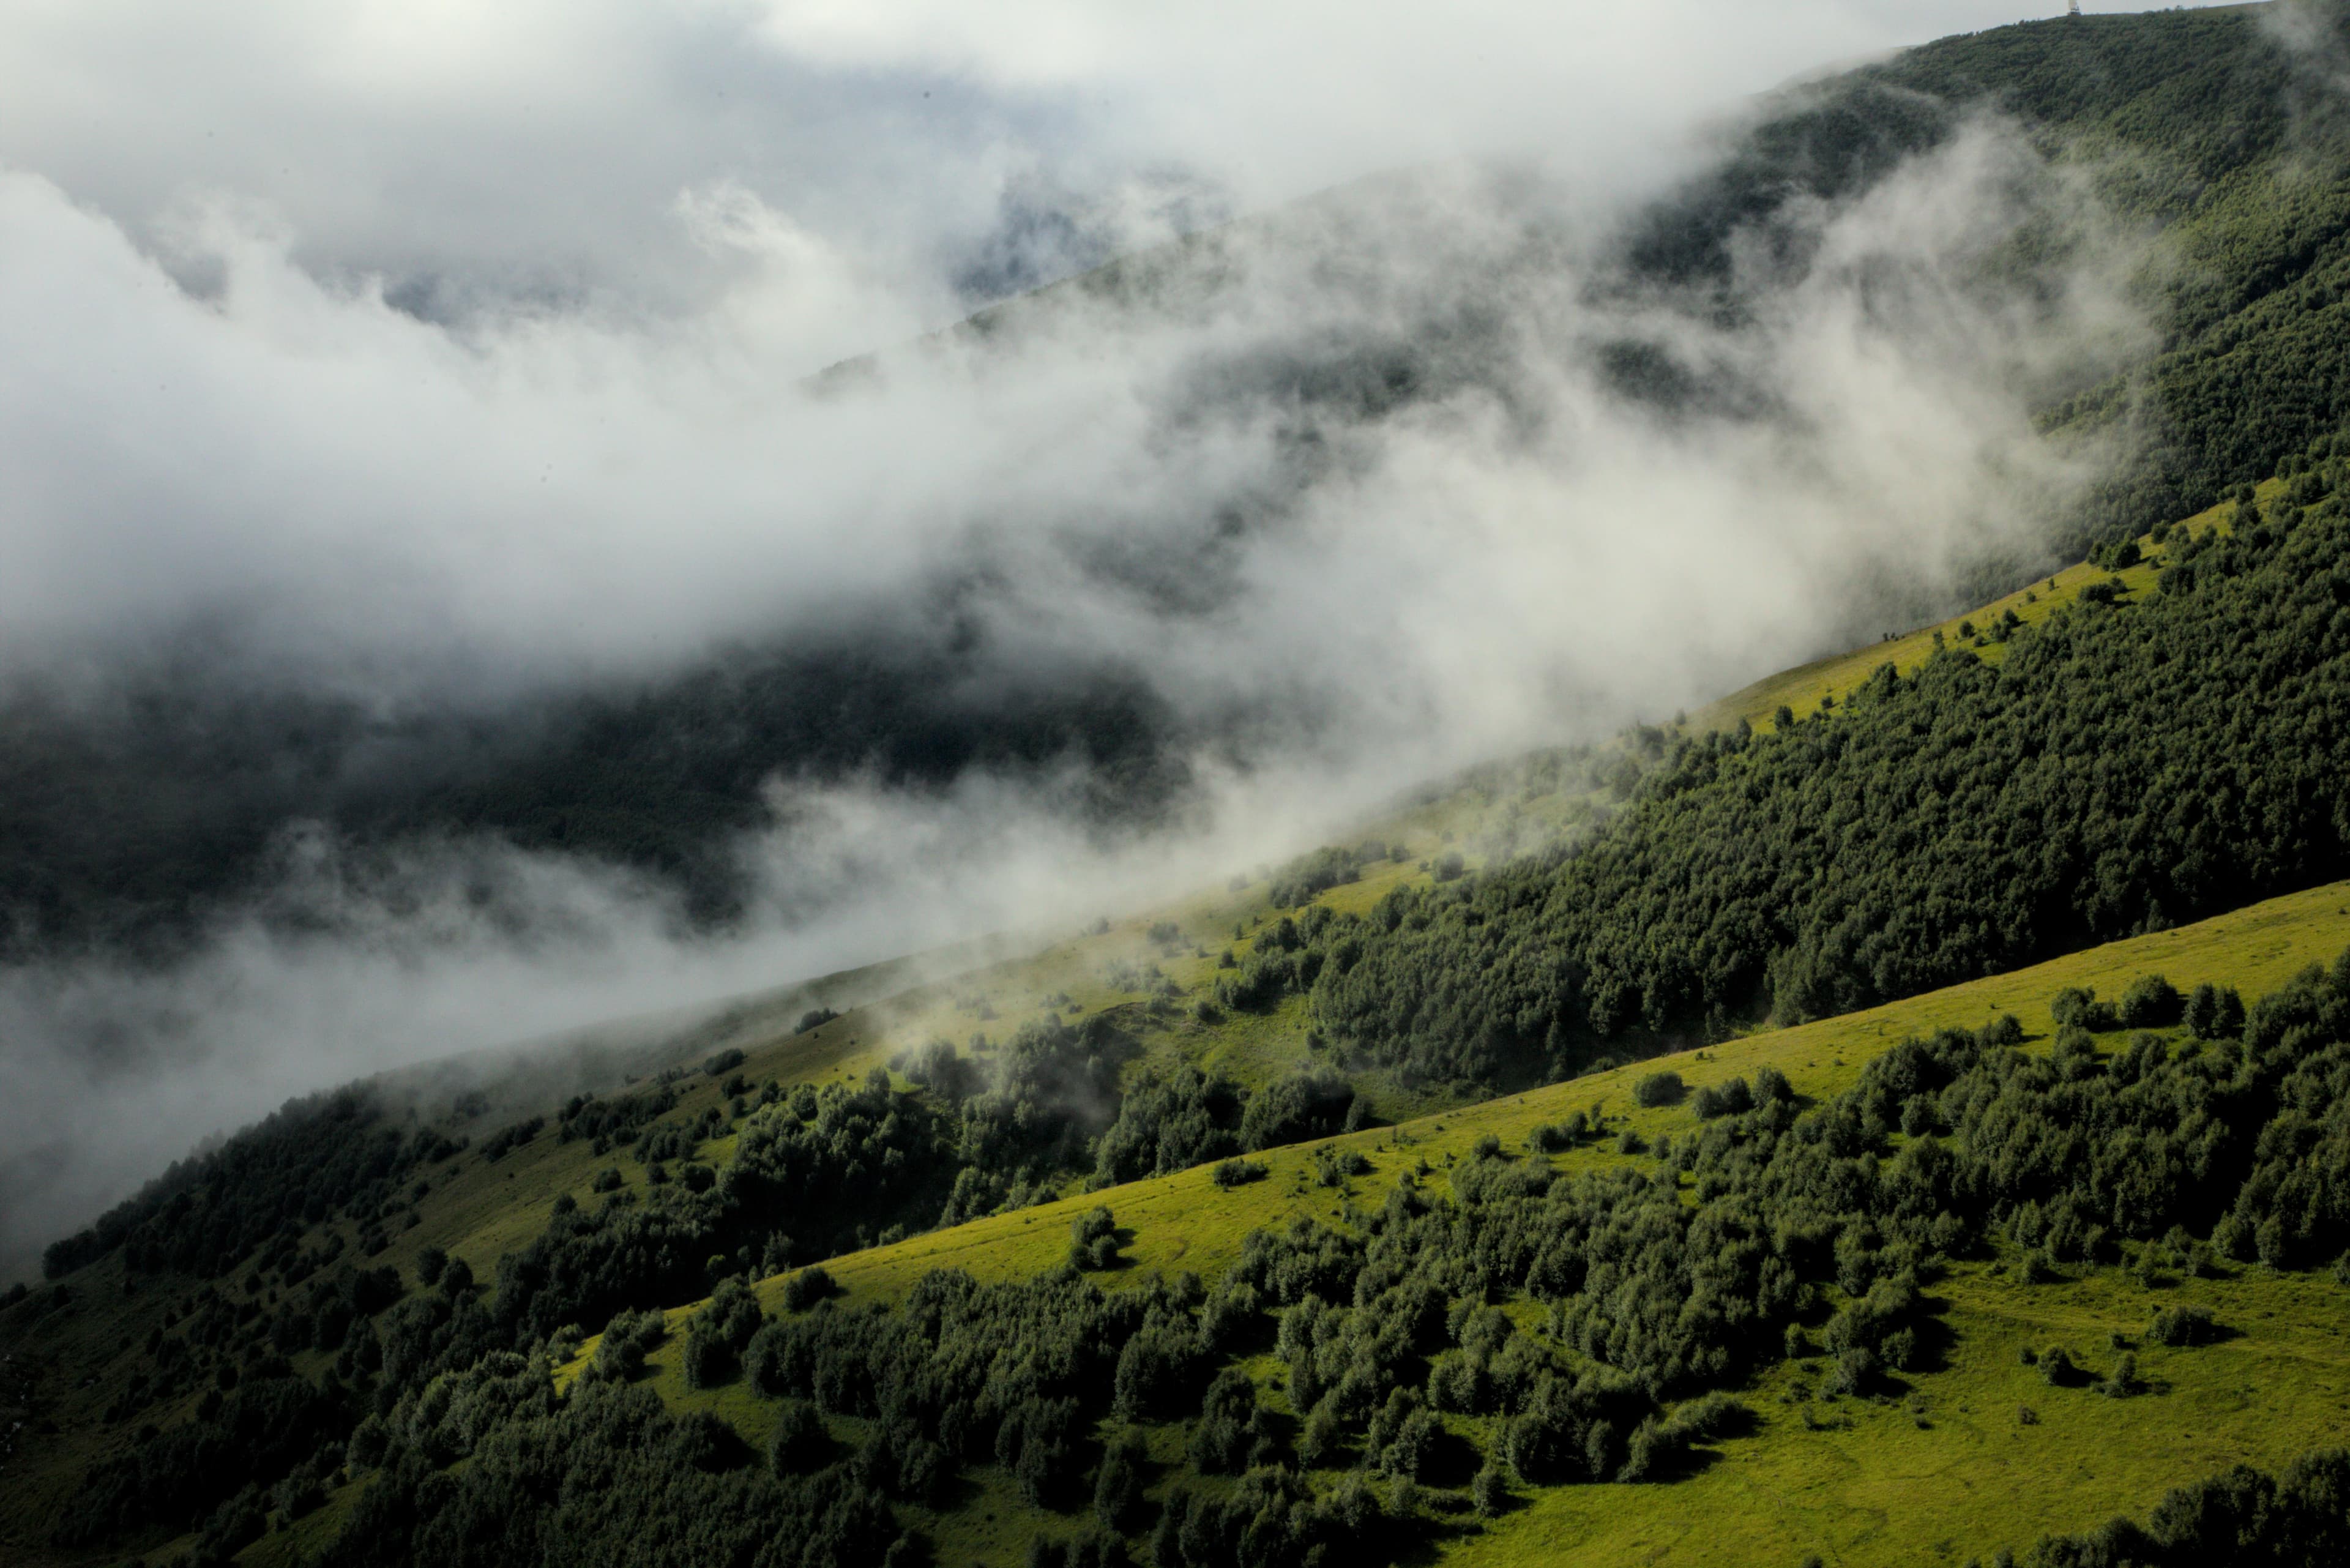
[(1952, 1465), (1184, 1221)]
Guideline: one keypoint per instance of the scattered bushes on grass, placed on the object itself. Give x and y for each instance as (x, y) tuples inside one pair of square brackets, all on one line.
[(1232, 1173)]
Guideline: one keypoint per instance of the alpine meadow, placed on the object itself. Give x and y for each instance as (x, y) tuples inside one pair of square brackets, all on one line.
[(1118, 792)]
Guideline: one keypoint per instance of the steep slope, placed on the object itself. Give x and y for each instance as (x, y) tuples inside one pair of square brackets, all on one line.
[(1905, 1467)]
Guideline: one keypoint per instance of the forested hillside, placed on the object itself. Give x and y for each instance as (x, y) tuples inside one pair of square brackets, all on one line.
[(2138, 759), (1608, 1290)]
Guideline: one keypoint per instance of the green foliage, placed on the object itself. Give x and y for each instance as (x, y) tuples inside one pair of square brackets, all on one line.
[(2214, 1013), (2098, 781), (1307, 1104), (800, 1442), (1093, 1241), (262, 1428), (327, 1155), (1169, 1124), (1658, 1089), (2245, 1517), (1299, 881), (2183, 1325), (513, 1502), (620, 1351), (806, 1287), (717, 1334), (1238, 1172)]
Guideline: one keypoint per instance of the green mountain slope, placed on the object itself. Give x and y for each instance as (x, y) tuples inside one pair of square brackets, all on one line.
[(1964, 1451), (1561, 1314)]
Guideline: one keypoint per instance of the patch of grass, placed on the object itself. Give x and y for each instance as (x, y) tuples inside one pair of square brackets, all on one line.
[(1864, 1483)]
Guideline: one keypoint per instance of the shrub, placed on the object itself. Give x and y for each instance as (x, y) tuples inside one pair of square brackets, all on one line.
[(1093, 1241), (1323, 1438), (802, 1444), (1117, 1485), (1489, 1491), (1236, 1172), (1309, 1105), (806, 1287), (1730, 1099), (1659, 1089), (620, 1354), (814, 1018), (2078, 1007), (2183, 1325), (2150, 1002), (724, 1063), (2214, 1013), (1855, 1369), (716, 1336)]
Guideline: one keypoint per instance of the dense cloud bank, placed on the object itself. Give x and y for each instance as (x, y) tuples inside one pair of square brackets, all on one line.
[(357, 518)]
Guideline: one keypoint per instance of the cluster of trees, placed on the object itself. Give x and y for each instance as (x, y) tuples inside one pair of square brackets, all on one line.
[(1767, 1230), (2121, 770), (250, 1435), (326, 1156), (668, 1491), (1170, 1123), (1285, 958), (1334, 865), (2243, 1519), (838, 1164), (613, 1120)]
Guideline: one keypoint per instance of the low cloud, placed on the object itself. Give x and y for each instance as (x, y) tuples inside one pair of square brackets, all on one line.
[(1362, 491)]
